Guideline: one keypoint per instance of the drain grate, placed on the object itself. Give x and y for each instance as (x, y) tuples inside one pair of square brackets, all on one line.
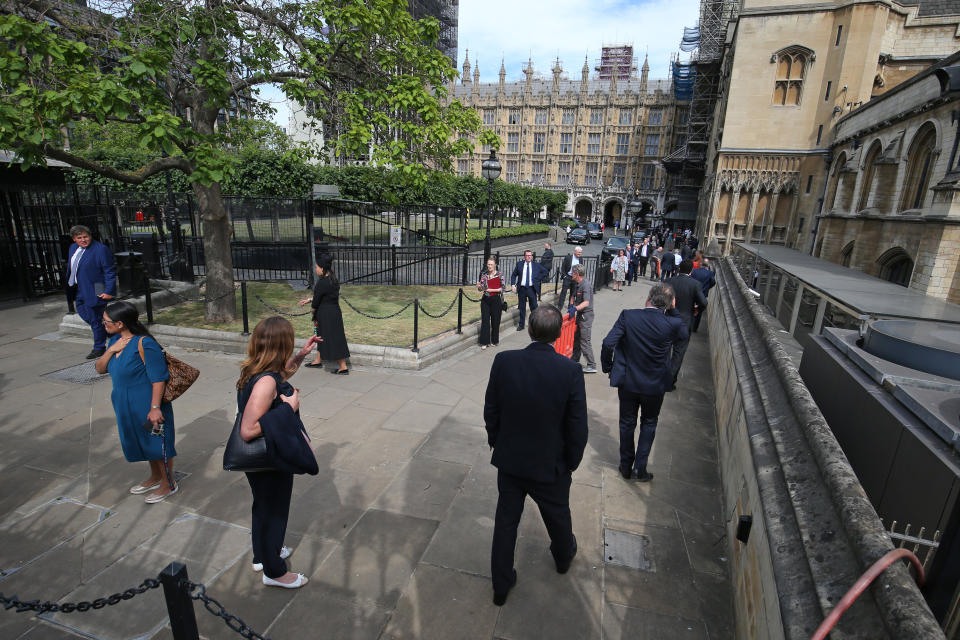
[(80, 374), (627, 550)]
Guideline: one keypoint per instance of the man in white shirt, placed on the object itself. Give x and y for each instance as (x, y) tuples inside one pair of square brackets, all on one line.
[(566, 268)]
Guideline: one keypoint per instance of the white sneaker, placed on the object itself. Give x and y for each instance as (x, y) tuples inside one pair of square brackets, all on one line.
[(284, 554), (589, 369)]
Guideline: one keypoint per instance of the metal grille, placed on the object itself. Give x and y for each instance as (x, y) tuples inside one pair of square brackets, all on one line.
[(80, 374), (627, 550)]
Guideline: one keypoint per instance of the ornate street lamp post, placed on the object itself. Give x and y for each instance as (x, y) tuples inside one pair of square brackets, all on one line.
[(490, 169)]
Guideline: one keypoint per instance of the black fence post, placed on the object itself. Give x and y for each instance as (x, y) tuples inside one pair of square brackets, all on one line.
[(460, 311), (556, 281), (176, 591), (146, 295), (416, 324), (466, 258), (393, 264), (243, 307)]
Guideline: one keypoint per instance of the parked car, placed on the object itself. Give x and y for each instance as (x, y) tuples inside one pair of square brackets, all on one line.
[(613, 247), (578, 236), (593, 228)]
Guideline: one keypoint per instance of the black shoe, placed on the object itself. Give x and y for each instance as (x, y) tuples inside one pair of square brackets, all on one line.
[(519, 327), (313, 365), (500, 599), (646, 476), (563, 567), (96, 353), (626, 473)]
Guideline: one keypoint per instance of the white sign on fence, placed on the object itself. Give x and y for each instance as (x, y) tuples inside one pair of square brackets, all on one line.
[(395, 235)]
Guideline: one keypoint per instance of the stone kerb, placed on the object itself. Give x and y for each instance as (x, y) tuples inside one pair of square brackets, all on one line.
[(814, 530), (431, 349)]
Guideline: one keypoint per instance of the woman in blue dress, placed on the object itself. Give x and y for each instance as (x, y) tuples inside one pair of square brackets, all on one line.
[(144, 420)]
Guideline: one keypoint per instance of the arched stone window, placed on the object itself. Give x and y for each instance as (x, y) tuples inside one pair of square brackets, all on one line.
[(920, 161), (896, 266), (869, 171), (792, 65), (846, 254)]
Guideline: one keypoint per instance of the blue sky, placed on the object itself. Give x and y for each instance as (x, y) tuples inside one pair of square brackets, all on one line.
[(515, 30)]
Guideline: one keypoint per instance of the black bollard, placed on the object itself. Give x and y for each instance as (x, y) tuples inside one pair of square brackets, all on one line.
[(147, 298), (176, 591), (460, 311), (416, 324), (243, 307)]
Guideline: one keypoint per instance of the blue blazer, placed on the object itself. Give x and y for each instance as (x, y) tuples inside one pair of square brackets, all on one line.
[(538, 273), (535, 410), (642, 339), (705, 277), (96, 268)]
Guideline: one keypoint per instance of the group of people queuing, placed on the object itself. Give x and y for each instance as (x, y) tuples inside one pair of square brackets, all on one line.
[(138, 367), (535, 408)]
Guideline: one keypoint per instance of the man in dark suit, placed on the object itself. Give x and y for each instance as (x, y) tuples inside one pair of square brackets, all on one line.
[(636, 354), (668, 263), (707, 279), (689, 294), (526, 279), (546, 261), (535, 412), (92, 276)]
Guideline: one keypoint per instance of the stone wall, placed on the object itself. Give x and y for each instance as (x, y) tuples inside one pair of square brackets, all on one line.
[(814, 531)]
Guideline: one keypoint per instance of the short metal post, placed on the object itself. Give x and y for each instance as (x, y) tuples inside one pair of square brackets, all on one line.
[(147, 298), (176, 591), (460, 310), (243, 307), (416, 324)]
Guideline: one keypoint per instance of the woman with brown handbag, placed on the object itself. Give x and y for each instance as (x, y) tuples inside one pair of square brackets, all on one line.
[(144, 420)]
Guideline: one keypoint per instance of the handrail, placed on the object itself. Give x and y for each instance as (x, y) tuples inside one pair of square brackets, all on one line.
[(861, 585)]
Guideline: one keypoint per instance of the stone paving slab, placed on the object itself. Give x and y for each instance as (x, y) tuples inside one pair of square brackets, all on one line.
[(395, 530)]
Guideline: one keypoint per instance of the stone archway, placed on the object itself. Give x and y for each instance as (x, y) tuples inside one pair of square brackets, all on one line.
[(583, 210), (612, 211)]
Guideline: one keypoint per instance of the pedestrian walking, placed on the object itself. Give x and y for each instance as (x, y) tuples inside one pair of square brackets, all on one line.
[(582, 300), (91, 282), (667, 263), (636, 354), (327, 317), (546, 261), (138, 370), (526, 278), (707, 279), (642, 257), (262, 387), (689, 301), (618, 267), (566, 269), (491, 304), (535, 412)]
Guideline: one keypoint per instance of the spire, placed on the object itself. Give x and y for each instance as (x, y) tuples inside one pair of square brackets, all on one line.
[(528, 71), (644, 73), (557, 70), (465, 78), (476, 73), (503, 78)]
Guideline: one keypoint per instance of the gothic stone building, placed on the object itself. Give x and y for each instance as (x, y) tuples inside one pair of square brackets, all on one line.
[(800, 80), (598, 140)]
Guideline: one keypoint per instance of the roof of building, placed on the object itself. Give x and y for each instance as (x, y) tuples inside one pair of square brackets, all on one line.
[(545, 87), (863, 293), (933, 8)]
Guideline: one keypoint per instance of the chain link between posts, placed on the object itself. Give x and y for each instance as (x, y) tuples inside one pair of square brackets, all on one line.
[(199, 592), (70, 607), (275, 310), (232, 292), (372, 317), (445, 312)]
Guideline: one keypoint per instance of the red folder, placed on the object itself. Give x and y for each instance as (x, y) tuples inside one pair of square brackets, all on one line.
[(493, 283)]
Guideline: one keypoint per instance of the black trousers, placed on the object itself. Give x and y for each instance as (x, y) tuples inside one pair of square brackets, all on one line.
[(676, 355), (568, 289), (271, 507), (526, 295), (635, 457), (641, 268), (490, 310), (553, 500)]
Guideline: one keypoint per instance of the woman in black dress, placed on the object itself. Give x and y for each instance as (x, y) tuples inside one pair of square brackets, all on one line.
[(327, 317)]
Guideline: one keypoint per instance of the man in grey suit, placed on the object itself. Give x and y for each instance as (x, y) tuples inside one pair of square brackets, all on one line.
[(689, 294)]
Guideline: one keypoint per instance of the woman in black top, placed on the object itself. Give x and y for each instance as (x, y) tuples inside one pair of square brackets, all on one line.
[(327, 317)]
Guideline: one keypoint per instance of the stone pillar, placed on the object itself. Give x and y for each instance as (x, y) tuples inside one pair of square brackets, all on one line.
[(793, 217), (751, 215), (731, 215)]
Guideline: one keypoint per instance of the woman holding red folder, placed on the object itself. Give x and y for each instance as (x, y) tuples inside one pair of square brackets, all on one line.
[(491, 284)]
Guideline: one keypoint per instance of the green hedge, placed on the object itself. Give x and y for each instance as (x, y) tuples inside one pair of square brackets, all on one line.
[(479, 235)]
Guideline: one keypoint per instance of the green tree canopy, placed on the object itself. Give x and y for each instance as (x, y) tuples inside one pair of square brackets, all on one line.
[(170, 70)]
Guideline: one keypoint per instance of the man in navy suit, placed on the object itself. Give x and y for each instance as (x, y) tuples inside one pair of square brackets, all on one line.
[(707, 279), (690, 300), (526, 278), (92, 273), (636, 354), (535, 412)]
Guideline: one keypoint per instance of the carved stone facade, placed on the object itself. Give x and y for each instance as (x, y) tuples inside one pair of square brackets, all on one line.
[(792, 72), (599, 141)]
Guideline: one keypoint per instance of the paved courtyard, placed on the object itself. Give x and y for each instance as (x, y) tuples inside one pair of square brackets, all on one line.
[(395, 531)]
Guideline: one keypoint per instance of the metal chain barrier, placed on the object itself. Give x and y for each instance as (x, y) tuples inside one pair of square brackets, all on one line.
[(199, 592), (275, 310), (470, 299), (204, 300), (449, 307), (367, 315), (69, 607)]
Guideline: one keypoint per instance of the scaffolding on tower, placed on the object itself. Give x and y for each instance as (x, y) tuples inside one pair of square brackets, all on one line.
[(699, 82)]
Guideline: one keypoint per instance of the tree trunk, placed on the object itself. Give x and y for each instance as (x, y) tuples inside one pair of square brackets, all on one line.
[(221, 304)]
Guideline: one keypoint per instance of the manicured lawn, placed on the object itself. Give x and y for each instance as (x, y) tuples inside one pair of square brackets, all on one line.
[(375, 300)]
